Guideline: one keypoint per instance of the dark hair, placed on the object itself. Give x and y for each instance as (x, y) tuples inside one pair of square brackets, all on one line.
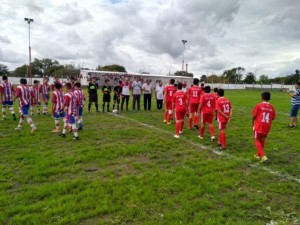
[(23, 81), (202, 84), (57, 86), (68, 85), (77, 84), (36, 82), (120, 82), (172, 81), (106, 80), (196, 81), (72, 78), (4, 77), (216, 89), (266, 96), (221, 92), (207, 89), (179, 86)]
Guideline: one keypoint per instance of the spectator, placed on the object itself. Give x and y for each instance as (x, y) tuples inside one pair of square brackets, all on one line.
[(147, 89), (159, 95), (136, 92), (295, 101)]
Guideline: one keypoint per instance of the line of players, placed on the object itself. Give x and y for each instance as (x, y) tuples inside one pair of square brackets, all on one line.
[(68, 107), (207, 106)]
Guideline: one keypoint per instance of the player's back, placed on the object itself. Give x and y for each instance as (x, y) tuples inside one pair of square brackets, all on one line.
[(208, 103), (194, 93), (170, 90), (223, 104), (265, 114), (179, 99)]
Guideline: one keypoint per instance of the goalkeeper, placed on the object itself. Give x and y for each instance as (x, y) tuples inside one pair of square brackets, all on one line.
[(106, 90)]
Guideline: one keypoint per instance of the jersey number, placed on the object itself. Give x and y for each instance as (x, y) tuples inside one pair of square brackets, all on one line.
[(195, 94), (208, 104), (226, 108), (171, 93), (180, 101), (265, 117)]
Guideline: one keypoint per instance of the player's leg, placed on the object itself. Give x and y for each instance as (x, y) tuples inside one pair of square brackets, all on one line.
[(11, 109), (25, 112), (202, 126), (177, 124), (96, 103), (4, 110), (182, 121), (191, 116), (211, 127), (74, 128), (165, 113)]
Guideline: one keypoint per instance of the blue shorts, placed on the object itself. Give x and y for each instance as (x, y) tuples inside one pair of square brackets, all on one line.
[(25, 109), (46, 97), (7, 103), (71, 119), (80, 110), (294, 110), (58, 115)]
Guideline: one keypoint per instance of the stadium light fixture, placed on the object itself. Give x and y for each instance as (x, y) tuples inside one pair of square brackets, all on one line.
[(29, 72), (183, 42)]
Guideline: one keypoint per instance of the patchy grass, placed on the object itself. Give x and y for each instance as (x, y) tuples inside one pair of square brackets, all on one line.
[(128, 169)]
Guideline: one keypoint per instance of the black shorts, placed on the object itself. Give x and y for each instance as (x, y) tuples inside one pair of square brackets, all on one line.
[(106, 98), (116, 98), (93, 98)]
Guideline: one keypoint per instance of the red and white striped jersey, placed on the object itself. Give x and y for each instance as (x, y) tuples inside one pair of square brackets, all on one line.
[(7, 90), (57, 100), (44, 89), (80, 98), (34, 95), (23, 93), (70, 103)]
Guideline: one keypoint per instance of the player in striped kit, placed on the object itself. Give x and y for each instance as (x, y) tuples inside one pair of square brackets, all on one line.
[(69, 106), (44, 91), (57, 102), (6, 97), (35, 97), (23, 93), (80, 99)]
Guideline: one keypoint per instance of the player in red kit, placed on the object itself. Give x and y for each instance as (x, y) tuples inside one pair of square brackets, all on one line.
[(224, 113), (262, 116), (69, 106), (35, 97), (57, 102), (207, 109), (180, 106), (194, 95), (23, 93), (45, 92), (168, 100)]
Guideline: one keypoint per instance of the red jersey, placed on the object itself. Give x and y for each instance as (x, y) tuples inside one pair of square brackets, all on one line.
[(179, 100), (7, 90), (80, 98), (23, 93), (264, 114), (223, 105), (195, 93), (34, 95), (57, 100), (208, 103), (70, 103), (169, 92), (44, 89)]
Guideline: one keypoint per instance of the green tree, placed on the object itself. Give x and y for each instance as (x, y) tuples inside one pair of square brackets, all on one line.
[(45, 66), (250, 78), (263, 79), (3, 70), (65, 71), (214, 79), (203, 78), (112, 68), (21, 71), (233, 75), (183, 73)]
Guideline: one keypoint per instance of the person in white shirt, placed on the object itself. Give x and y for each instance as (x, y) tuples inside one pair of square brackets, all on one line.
[(125, 93), (136, 92), (159, 95), (147, 89)]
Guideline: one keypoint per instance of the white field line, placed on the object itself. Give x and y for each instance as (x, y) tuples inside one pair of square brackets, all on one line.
[(283, 176)]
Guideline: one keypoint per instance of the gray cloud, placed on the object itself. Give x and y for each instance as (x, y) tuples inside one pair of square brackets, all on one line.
[(4, 40)]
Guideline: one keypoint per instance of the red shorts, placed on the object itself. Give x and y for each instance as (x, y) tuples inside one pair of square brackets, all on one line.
[(206, 118), (222, 125), (259, 135), (194, 107), (180, 115), (168, 105)]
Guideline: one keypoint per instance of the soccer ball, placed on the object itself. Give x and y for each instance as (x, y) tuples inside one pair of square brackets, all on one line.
[(115, 111)]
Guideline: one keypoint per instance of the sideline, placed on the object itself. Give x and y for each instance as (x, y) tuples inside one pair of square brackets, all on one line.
[(283, 176)]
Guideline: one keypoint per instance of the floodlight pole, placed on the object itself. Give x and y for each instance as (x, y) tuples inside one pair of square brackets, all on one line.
[(184, 42), (29, 74)]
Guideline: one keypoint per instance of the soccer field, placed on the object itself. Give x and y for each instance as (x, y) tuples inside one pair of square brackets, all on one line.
[(128, 169)]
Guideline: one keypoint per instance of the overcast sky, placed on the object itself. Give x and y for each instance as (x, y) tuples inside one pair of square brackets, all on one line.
[(146, 35)]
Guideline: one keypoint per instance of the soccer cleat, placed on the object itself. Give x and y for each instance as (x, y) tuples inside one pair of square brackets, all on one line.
[(56, 131), (176, 136), (291, 126), (62, 135), (263, 159), (75, 138), (18, 128), (164, 121), (168, 123), (212, 138), (80, 128), (221, 148), (14, 117), (200, 137), (180, 132), (257, 157), (33, 129)]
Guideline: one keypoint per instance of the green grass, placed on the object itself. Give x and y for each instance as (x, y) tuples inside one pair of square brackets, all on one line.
[(128, 169)]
